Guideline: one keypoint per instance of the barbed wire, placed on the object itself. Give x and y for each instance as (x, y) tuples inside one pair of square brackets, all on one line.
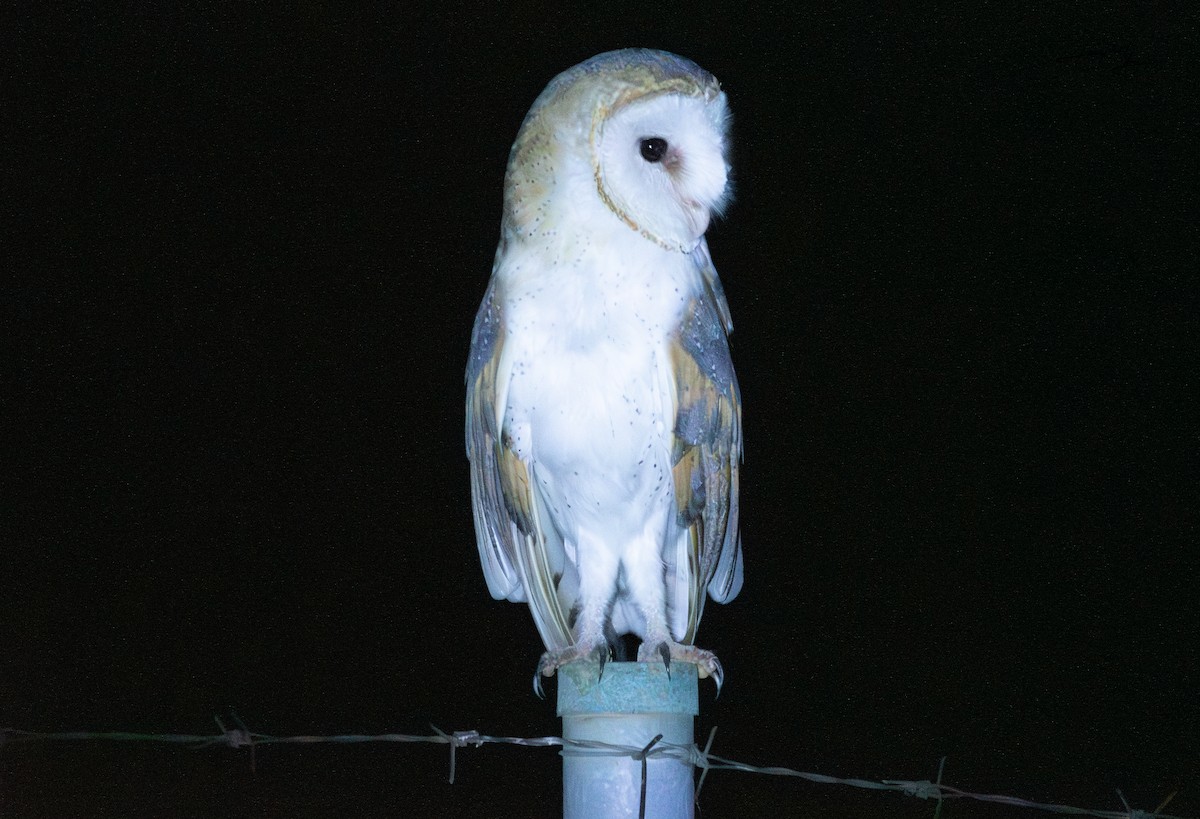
[(242, 737)]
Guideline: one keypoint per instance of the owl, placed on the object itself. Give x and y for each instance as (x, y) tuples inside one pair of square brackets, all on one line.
[(603, 416)]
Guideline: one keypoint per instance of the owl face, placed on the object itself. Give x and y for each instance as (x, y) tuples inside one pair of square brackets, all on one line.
[(641, 133), (660, 164)]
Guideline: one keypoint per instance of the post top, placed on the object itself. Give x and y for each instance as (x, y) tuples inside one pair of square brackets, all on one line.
[(627, 688)]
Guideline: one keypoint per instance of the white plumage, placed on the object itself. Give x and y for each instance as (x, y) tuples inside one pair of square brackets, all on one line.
[(603, 416)]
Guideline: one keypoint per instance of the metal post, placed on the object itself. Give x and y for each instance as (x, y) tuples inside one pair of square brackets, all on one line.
[(631, 705)]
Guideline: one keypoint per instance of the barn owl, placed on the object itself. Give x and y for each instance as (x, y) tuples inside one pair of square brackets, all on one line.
[(603, 415)]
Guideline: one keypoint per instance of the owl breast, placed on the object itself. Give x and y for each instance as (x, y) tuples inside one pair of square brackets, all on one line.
[(590, 403)]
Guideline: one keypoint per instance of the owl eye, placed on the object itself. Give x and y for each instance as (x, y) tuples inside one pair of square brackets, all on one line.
[(653, 149)]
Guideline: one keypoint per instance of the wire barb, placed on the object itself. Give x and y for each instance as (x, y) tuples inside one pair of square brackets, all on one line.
[(699, 759), (239, 737), (455, 741), (937, 812), (640, 756)]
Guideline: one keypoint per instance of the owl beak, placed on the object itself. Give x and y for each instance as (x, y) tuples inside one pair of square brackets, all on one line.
[(697, 212)]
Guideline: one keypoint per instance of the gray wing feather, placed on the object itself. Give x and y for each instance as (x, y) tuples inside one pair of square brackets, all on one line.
[(706, 453), (708, 432), (493, 529), (522, 559)]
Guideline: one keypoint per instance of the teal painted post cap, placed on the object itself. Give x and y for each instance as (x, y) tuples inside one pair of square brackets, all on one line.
[(627, 688)]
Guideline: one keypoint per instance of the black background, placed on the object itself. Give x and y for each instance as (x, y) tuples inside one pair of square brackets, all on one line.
[(246, 250)]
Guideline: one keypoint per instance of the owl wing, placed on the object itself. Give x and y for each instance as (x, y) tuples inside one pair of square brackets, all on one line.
[(707, 445), (522, 558)]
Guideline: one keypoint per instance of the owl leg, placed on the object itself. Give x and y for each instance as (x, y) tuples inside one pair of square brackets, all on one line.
[(598, 567), (644, 574)]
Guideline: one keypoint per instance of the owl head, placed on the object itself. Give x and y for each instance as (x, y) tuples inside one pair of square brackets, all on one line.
[(637, 136)]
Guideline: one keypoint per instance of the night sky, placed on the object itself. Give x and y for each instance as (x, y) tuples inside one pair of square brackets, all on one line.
[(244, 253)]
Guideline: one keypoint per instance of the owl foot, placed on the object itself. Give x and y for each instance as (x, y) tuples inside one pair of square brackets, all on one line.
[(551, 661), (707, 664)]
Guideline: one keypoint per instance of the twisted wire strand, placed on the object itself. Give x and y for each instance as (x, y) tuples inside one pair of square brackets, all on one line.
[(242, 737)]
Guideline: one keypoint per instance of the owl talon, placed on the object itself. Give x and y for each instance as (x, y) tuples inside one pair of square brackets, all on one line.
[(665, 651), (551, 661), (545, 668), (707, 664)]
